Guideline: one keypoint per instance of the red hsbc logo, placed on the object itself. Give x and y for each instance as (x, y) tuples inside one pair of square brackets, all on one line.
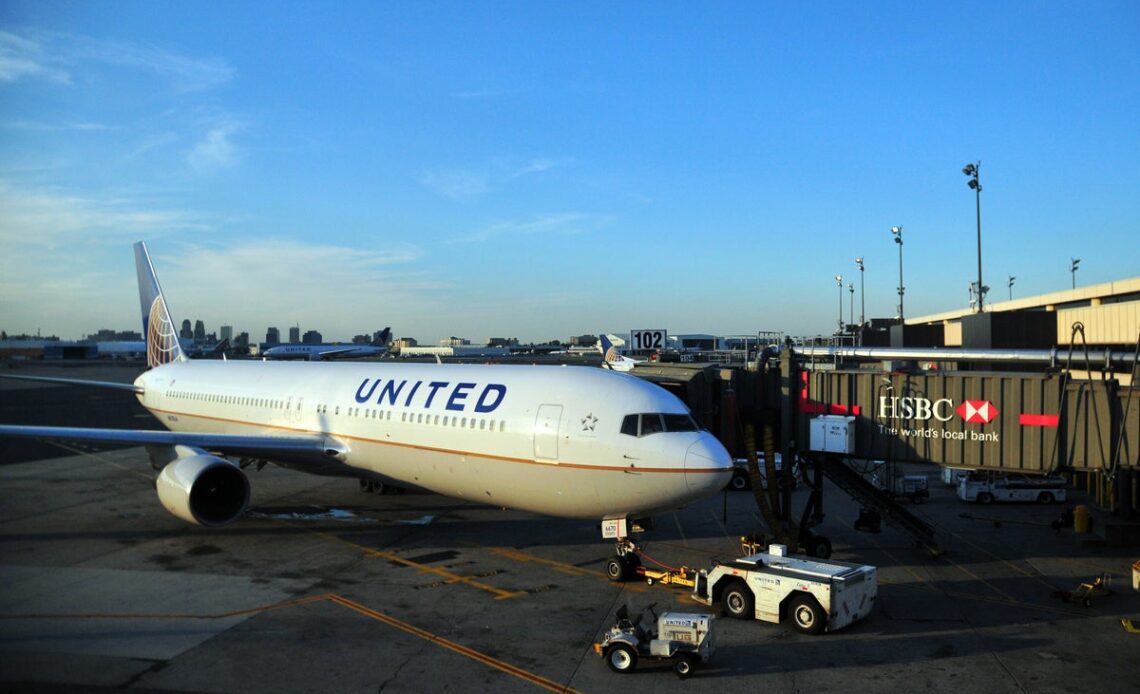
[(977, 411)]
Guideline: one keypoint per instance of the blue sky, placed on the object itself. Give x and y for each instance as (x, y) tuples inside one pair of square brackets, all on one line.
[(543, 169)]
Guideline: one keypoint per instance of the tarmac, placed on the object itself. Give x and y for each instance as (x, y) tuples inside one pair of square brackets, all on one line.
[(323, 587)]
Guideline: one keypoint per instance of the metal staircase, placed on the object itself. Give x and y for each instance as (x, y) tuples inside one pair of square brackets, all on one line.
[(872, 498)]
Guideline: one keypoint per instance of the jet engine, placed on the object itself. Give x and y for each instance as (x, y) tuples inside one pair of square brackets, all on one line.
[(203, 489)]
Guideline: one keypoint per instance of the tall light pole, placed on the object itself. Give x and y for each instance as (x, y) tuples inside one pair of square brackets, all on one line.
[(862, 294), (972, 171), (839, 283), (851, 288), (897, 231), (1011, 279), (1073, 263)]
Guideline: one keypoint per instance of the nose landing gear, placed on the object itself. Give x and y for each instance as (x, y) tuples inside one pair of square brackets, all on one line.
[(623, 566)]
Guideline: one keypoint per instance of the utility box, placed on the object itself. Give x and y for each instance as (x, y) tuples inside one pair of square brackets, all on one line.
[(833, 434)]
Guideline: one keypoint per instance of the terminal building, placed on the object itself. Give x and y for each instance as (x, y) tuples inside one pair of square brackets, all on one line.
[(1108, 316)]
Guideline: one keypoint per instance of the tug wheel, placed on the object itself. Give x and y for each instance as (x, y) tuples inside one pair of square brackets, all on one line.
[(807, 615), (684, 666), (621, 658), (738, 601)]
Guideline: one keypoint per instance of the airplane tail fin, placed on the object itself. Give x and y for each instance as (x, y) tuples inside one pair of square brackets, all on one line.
[(383, 338), (609, 352), (162, 345)]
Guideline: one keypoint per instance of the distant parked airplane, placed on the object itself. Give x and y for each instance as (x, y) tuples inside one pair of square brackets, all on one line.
[(612, 359), (557, 440), (376, 348)]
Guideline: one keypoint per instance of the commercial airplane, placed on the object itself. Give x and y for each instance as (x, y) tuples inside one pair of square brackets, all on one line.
[(556, 440), (376, 348), (612, 359)]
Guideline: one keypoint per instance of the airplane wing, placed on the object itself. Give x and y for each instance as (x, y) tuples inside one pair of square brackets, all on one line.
[(79, 382), (334, 353), (316, 453)]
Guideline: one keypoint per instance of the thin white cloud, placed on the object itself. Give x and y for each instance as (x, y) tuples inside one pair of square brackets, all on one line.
[(182, 72), (339, 290), (21, 56), (53, 127), (536, 166), (216, 149), (55, 56), (52, 218), (465, 184), (562, 224), (457, 184)]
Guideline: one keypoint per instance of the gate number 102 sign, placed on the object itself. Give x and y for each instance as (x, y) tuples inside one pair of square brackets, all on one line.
[(647, 340)]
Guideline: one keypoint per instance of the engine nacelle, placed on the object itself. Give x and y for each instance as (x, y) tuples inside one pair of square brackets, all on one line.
[(203, 490)]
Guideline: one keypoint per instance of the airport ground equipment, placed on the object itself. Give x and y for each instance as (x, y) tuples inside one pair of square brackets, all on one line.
[(683, 576), (1085, 592), (742, 480), (815, 595), (683, 637), (986, 488)]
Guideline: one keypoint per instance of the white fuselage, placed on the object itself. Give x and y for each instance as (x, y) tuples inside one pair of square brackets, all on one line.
[(546, 439)]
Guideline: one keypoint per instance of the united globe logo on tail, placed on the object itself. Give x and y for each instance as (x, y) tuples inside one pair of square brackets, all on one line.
[(161, 339)]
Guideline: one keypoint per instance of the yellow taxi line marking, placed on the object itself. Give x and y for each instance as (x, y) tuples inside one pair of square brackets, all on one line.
[(450, 576), (1006, 598), (503, 666), (557, 565), (1029, 574), (922, 580), (635, 585)]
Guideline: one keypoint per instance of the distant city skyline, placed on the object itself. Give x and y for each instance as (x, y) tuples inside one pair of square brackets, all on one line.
[(544, 170)]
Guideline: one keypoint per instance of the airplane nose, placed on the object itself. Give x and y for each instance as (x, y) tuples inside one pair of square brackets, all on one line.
[(708, 466)]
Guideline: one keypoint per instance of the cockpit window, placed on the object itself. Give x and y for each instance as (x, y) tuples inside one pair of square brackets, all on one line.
[(653, 423), (679, 422)]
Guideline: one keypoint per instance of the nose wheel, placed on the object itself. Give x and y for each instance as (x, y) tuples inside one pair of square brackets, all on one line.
[(623, 567)]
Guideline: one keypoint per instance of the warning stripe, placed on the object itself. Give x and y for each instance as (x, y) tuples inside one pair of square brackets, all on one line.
[(1040, 420), (830, 408)]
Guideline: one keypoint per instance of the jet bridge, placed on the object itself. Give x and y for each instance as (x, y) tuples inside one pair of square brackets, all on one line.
[(1037, 421), (1000, 410)]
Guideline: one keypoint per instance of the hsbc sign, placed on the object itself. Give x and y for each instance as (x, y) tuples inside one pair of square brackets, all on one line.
[(942, 410)]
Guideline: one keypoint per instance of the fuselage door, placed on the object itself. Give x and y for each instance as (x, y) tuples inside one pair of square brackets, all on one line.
[(546, 432)]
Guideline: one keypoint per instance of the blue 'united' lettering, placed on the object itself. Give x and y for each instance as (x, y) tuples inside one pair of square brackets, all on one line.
[(458, 397)]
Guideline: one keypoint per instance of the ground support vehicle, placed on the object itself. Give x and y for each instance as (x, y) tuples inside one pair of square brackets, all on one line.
[(984, 488), (815, 595), (914, 487), (1085, 592), (741, 480), (683, 576), (685, 638)]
